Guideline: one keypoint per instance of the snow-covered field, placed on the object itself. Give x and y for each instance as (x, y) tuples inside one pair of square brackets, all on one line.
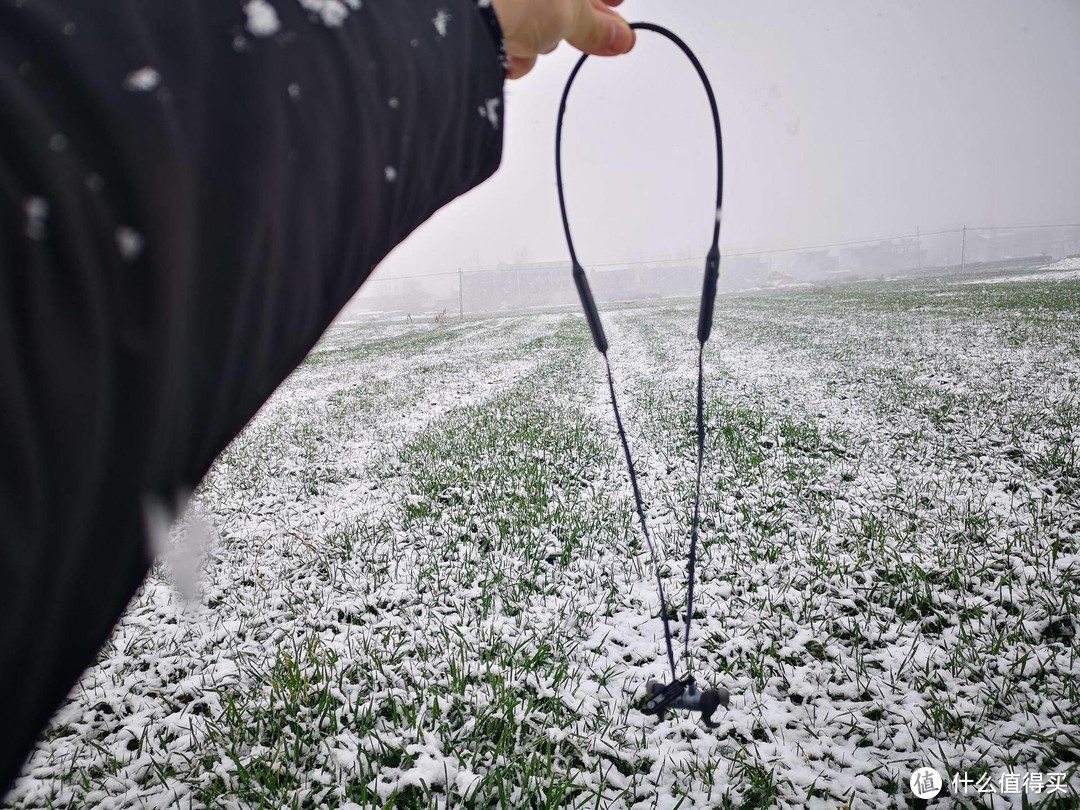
[(422, 586)]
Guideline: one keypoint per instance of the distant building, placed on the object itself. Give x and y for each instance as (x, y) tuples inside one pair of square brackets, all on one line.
[(742, 272), (815, 265), (882, 258)]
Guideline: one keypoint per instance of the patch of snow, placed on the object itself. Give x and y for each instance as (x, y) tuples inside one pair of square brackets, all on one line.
[(262, 19), (159, 520), (1068, 263), (490, 111), (142, 80), (1065, 269), (36, 210), (1063, 274), (441, 21), (129, 242), (331, 12)]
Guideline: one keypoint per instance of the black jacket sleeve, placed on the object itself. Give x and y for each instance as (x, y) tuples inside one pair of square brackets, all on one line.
[(190, 190)]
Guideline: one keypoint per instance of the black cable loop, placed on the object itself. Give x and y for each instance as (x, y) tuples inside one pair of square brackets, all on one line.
[(705, 318)]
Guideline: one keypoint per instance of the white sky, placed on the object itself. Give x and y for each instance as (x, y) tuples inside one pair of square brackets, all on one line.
[(842, 120)]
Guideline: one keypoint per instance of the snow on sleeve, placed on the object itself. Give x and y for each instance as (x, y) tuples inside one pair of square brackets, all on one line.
[(37, 212), (142, 80), (331, 12), (441, 21), (129, 242), (262, 20), (490, 111)]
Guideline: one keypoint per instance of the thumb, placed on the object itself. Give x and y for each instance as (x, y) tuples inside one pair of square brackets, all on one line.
[(598, 31)]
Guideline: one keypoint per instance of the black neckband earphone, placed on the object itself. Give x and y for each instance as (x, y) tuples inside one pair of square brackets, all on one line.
[(679, 693)]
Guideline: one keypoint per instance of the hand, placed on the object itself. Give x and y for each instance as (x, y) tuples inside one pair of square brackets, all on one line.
[(535, 27)]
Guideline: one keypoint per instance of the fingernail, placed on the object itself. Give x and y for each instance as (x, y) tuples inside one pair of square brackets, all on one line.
[(620, 37)]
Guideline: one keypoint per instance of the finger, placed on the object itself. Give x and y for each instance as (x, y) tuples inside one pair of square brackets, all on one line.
[(599, 31), (606, 6), (520, 66), (602, 8)]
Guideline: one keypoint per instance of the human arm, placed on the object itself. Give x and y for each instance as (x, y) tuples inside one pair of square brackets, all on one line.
[(189, 192)]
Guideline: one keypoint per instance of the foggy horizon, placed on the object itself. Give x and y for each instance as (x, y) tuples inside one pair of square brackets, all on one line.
[(841, 123)]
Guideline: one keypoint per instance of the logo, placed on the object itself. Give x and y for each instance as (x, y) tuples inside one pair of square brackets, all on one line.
[(926, 783)]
